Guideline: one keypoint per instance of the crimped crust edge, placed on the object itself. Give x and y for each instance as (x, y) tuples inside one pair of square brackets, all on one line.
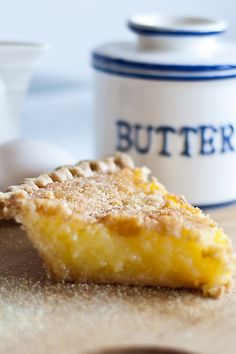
[(85, 168)]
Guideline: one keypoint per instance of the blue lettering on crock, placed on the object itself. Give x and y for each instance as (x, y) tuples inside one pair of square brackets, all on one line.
[(124, 142), (185, 131), (207, 138), (137, 137), (210, 139), (227, 135), (164, 130)]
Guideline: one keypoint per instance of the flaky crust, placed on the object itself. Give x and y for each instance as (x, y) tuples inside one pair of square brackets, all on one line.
[(84, 168)]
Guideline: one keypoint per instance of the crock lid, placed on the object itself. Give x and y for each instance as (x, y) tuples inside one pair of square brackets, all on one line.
[(171, 48), (156, 25)]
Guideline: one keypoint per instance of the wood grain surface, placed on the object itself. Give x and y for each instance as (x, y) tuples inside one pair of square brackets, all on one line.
[(38, 316)]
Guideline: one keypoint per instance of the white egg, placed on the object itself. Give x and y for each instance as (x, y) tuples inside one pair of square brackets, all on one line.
[(23, 158)]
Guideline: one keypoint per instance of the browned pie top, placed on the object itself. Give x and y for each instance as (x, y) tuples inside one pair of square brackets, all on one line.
[(101, 190), (100, 194)]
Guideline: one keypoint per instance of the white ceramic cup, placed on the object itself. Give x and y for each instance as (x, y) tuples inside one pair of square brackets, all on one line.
[(169, 100), (18, 61)]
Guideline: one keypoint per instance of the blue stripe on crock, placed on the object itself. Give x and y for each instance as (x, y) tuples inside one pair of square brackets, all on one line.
[(139, 29), (103, 59), (161, 77), (217, 205)]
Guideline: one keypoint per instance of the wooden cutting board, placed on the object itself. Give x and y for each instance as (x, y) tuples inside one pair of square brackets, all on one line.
[(38, 316)]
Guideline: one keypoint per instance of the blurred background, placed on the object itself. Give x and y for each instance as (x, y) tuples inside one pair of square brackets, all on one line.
[(59, 105)]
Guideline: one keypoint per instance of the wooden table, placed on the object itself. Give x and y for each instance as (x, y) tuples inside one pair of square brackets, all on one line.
[(38, 316)]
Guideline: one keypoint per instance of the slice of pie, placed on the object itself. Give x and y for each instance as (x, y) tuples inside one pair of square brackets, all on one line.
[(108, 222)]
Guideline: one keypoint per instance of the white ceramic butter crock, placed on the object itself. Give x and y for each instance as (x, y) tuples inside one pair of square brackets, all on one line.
[(18, 61), (169, 100)]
